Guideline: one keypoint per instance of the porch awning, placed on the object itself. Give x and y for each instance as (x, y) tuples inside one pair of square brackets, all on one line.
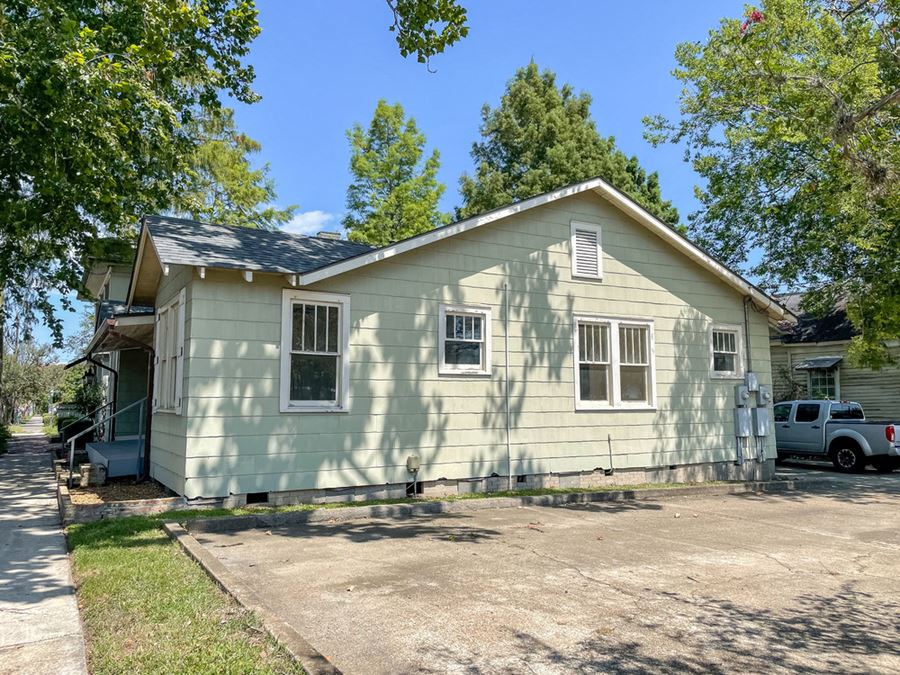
[(122, 332), (819, 363)]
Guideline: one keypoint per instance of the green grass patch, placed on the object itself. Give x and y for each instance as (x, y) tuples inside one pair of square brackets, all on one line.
[(148, 608), (16, 429)]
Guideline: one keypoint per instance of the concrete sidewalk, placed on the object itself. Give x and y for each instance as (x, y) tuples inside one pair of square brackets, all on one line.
[(40, 629)]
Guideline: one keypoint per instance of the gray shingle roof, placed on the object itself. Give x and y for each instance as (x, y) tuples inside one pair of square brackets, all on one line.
[(189, 242), (834, 327)]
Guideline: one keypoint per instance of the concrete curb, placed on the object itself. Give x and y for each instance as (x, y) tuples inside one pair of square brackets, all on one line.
[(312, 661), (341, 514)]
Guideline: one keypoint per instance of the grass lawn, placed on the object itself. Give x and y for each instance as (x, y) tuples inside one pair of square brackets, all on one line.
[(148, 608), (16, 429)]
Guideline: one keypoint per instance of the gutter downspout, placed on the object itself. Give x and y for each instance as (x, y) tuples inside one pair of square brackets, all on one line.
[(509, 482), (747, 300)]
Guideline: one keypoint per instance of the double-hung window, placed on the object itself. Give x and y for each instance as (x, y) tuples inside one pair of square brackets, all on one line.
[(614, 365), (726, 357), (314, 348), (464, 340), (169, 355)]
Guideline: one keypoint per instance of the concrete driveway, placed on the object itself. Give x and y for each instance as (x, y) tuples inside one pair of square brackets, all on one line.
[(805, 582)]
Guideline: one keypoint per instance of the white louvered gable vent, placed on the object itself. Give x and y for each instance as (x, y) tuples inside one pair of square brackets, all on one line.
[(587, 259)]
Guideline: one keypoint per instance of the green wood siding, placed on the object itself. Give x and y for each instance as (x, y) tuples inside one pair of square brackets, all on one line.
[(877, 390), (168, 441), (237, 441), (132, 368)]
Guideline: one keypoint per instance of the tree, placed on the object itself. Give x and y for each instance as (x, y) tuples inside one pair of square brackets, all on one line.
[(791, 115), (394, 194), (220, 184), (27, 378), (99, 100), (427, 27), (542, 137)]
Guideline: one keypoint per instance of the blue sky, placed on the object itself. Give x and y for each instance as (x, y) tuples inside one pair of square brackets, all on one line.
[(322, 65)]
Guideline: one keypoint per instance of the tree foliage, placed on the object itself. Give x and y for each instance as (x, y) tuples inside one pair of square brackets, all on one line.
[(791, 115), (220, 185), (96, 121), (394, 193), (426, 27), (542, 137), (27, 377)]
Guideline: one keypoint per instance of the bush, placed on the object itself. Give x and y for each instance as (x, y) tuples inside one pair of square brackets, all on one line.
[(4, 437), (49, 419)]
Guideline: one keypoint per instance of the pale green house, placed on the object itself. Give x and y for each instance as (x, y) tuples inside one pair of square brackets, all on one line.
[(545, 343)]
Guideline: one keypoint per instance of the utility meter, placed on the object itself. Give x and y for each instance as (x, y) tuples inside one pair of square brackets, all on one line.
[(760, 421), (413, 464), (763, 396), (741, 395), (742, 428), (752, 381)]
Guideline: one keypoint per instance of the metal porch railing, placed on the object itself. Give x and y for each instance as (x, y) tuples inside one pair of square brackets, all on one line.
[(141, 435)]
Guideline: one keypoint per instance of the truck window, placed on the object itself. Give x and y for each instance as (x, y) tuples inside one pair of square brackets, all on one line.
[(807, 412), (782, 412), (847, 411)]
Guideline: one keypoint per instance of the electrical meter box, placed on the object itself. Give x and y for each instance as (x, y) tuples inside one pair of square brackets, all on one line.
[(752, 381), (741, 395), (760, 421), (413, 463), (742, 428), (763, 396)]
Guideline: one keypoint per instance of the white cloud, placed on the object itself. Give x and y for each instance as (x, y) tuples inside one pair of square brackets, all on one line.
[(311, 222)]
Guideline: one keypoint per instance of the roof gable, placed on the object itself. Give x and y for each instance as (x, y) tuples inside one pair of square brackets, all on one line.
[(764, 301)]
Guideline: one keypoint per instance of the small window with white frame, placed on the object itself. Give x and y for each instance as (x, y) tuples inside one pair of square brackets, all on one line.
[(614, 363), (169, 355), (586, 250), (314, 352), (464, 340), (726, 352)]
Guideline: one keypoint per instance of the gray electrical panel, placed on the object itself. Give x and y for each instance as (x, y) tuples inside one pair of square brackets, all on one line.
[(752, 381), (742, 423), (741, 395), (760, 421), (763, 396)]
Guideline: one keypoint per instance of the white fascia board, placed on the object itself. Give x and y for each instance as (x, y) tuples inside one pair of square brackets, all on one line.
[(443, 233), (679, 243), (138, 259), (613, 196)]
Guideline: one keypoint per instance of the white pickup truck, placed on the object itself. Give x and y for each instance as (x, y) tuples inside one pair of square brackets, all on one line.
[(837, 430)]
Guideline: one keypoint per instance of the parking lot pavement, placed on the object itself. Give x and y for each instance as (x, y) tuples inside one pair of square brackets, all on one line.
[(799, 582)]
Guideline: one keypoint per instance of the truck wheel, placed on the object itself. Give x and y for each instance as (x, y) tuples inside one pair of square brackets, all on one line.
[(885, 464), (848, 459)]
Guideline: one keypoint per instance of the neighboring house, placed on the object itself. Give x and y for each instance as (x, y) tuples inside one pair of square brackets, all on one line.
[(809, 360), (539, 343)]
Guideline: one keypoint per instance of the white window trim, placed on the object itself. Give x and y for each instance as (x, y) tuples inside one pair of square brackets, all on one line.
[(837, 379), (593, 227), (485, 313), (615, 402), (739, 357), (176, 304), (289, 296)]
